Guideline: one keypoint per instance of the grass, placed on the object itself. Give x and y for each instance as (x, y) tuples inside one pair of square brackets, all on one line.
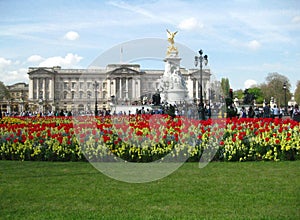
[(252, 190)]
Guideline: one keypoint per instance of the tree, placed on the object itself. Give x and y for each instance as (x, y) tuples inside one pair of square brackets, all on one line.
[(3, 94), (216, 93), (225, 86), (238, 94), (297, 92), (274, 88), (257, 93)]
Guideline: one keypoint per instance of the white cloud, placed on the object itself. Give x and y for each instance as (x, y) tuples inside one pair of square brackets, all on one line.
[(69, 61), (253, 45), (249, 83), (35, 58), (71, 35), (13, 76), (190, 24), (272, 67), (296, 19), (4, 62), (11, 72)]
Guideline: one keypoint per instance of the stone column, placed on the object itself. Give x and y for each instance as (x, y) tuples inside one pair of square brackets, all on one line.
[(126, 89), (37, 89), (51, 89), (138, 88), (44, 88), (133, 89), (197, 89), (114, 87), (120, 88), (189, 85), (30, 95), (108, 81)]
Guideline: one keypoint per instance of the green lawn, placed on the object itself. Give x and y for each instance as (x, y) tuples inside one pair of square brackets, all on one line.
[(252, 190)]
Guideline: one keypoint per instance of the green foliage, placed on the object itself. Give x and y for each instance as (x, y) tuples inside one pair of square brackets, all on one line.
[(225, 86), (297, 92), (274, 88), (4, 93), (238, 94), (257, 94)]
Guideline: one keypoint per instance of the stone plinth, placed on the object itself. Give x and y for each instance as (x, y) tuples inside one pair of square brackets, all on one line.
[(172, 86)]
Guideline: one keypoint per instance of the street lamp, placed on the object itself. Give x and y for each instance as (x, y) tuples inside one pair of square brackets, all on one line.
[(201, 59), (285, 105), (96, 84)]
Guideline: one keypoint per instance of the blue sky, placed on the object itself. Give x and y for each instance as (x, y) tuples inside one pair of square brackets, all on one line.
[(244, 39)]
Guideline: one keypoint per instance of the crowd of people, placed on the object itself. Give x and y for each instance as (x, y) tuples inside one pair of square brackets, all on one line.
[(270, 112), (190, 111)]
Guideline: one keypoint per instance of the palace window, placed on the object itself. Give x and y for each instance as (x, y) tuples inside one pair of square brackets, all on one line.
[(80, 95), (104, 95), (89, 85), (65, 85), (65, 95), (89, 94), (81, 85)]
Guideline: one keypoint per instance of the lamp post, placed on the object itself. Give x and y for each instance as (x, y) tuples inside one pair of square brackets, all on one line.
[(285, 105), (200, 60), (96, 84)]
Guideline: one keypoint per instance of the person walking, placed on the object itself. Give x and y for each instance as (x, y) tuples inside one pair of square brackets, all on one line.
[(243, 112), (296, 113), (251, 112), (267, 111), (275, 111)]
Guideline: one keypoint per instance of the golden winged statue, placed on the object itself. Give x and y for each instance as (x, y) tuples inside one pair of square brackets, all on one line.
[(171, 36), (171, 48)]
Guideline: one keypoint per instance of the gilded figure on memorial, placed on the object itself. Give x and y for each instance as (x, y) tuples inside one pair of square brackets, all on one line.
[(171, 48)]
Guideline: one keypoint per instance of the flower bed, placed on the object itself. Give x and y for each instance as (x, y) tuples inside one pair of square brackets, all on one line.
[(146, 138)]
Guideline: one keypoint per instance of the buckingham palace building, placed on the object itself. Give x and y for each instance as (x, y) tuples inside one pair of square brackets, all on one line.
[(77, 90)]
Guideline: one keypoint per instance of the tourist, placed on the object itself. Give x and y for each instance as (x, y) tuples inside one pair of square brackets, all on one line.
[(291, 110), (275, 112), (256, 112), (251, 112), (281, 112), (296, 113), (189, 113), (243, 112), (266, 110)]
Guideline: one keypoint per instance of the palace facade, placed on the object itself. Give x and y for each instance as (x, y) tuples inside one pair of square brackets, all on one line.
[(54, 88), (16, 99)]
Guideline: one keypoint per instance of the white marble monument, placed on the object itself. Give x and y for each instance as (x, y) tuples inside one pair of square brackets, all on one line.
[(173, 88)]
